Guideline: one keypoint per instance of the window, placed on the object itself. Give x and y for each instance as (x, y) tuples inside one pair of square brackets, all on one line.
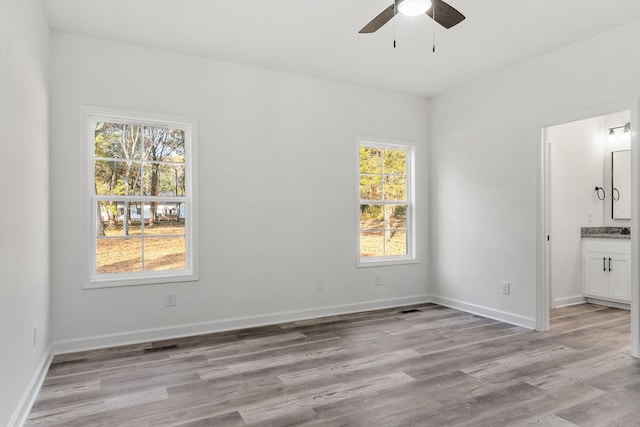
[(141, 206), (386, 204)]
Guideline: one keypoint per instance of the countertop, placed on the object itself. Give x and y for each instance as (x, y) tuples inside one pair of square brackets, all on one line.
[(605, 232)]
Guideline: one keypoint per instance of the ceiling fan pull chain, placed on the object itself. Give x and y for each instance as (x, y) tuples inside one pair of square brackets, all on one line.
[(394, 24), (433, 28)]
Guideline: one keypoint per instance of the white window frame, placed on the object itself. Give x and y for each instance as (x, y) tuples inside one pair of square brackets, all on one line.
[(410, 257), (91, 115)]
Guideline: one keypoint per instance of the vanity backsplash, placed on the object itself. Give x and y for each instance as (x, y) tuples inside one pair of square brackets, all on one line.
[(606, 232)]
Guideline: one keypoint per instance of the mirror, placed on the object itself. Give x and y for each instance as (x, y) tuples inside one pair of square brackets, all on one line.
[(621, 184)]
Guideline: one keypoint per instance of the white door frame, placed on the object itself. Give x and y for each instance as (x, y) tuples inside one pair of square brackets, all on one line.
[(542, 300)]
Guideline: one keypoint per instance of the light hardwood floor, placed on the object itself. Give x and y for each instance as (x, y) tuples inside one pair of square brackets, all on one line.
[(434, 366)]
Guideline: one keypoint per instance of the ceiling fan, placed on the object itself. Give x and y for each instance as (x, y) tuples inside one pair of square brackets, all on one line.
[(441, 12)]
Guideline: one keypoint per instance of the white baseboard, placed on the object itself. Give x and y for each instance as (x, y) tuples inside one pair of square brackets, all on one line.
[(567, 301), (29, 397), (503, 316), (145, 335), (614, 304)]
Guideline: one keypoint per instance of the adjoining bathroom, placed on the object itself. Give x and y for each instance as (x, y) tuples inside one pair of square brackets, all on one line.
[(590, 215)]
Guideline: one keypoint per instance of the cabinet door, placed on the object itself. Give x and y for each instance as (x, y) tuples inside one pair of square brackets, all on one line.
[(620, 277), (596, 274)]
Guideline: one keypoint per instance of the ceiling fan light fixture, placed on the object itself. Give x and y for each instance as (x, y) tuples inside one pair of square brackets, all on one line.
[(413, 7)]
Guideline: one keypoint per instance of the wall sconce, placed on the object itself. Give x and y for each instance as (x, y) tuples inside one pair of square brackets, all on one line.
[(626, 128)]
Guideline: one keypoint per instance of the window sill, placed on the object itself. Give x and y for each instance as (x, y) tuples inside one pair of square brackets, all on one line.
[(96, 283), (381, 262)]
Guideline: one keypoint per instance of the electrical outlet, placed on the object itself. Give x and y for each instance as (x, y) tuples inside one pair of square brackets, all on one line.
[(35, 335), (319, 285), (170, 299), (378, 280), (506, 288)]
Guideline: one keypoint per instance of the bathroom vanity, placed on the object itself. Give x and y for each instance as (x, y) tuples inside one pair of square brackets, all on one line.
[(606, 265)]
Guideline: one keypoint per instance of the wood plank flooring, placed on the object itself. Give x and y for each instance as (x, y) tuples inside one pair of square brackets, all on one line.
[(434, 366)]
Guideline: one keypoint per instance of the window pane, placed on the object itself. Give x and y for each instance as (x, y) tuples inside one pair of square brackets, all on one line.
[(164, 253), (396, 216), (119, 219), (370, 160), (118, 255), (371, 217), (117, 141), (395, 188), (164, 180), (117, 178), (106, 176), (370, 187), (163, 144), (168, 218), (110, 219), (395, 162), (396, 242), (371, 243), (107, 220)]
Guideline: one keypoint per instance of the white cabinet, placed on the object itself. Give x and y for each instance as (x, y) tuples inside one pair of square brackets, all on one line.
[(606, 269)]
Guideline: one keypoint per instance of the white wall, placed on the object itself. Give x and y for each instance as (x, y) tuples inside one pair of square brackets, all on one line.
[(485, 159), (277, 192), (577, 153), (24, 171)]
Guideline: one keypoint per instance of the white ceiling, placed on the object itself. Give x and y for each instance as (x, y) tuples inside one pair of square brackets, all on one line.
[(320, 38)]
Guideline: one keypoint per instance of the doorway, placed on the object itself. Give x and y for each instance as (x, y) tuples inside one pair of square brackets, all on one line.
[(578, 190)]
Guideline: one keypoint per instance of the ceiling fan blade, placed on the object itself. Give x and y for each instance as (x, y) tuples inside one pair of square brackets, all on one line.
[(445, 14), (377, 22)]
